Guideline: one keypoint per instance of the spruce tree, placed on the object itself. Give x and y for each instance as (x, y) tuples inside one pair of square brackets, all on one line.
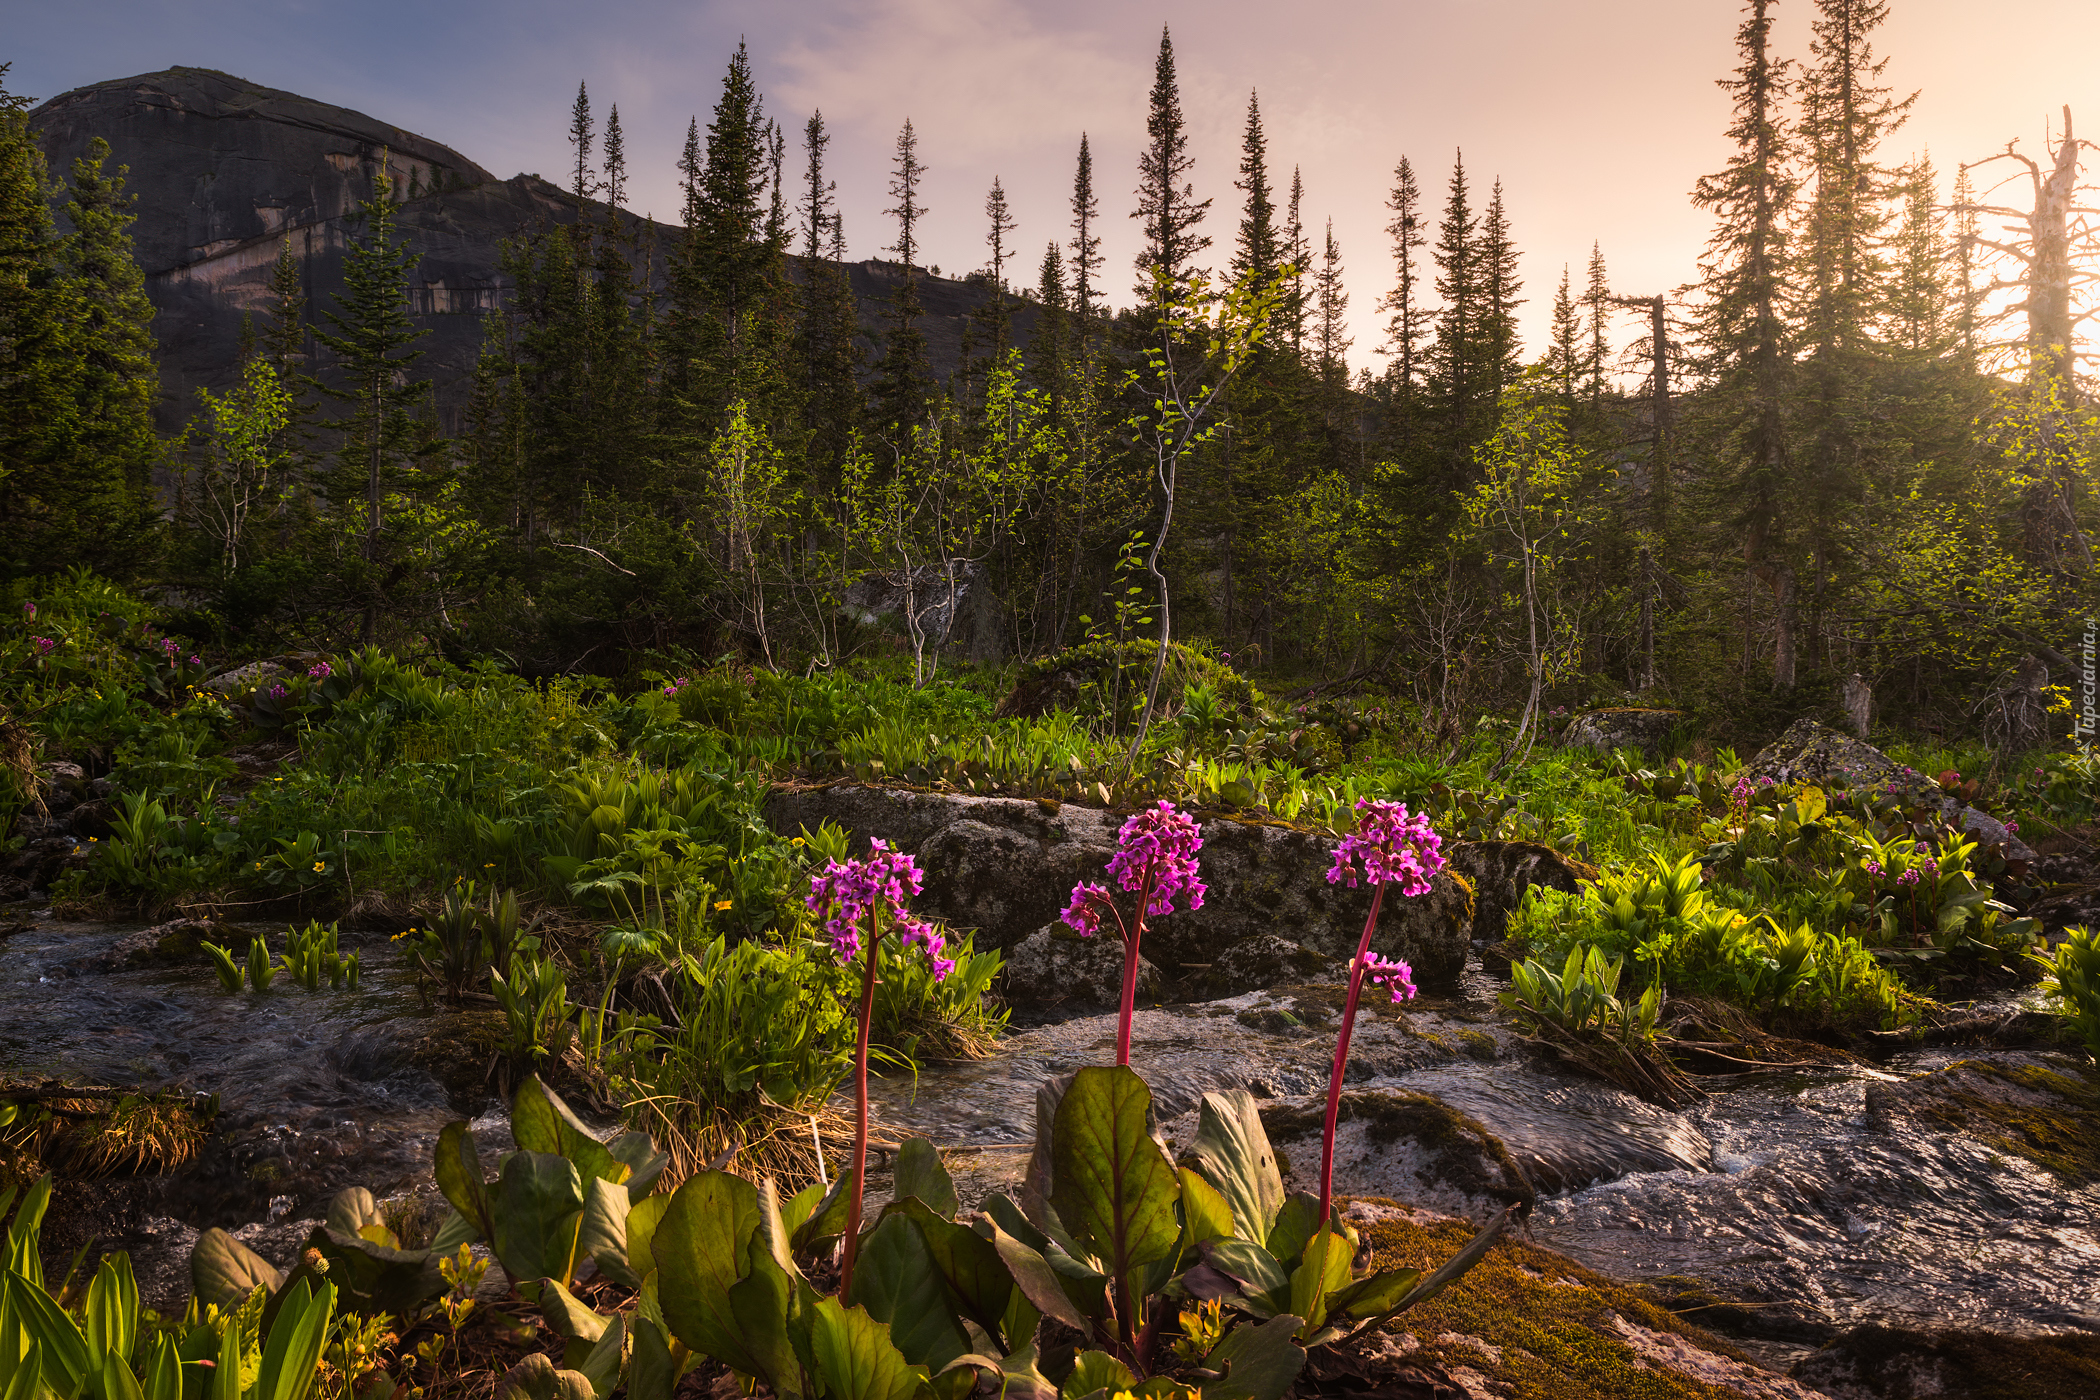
[(1970, 295), (903, 379), (1086, 243), (119, 379), (828, 353), (1502, 349), (1050, 347), (373, 342), (1290, 317), (993, 314), (1918, 303), (615, 182), (1168, 209), (1596, 310), (1564, 350), (1460, 363), (1259, 251), (1407, 320), (1748, 354), (582, 135), (1331, 340)]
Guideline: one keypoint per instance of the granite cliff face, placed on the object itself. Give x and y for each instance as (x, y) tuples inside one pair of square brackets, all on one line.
[(225, 170)]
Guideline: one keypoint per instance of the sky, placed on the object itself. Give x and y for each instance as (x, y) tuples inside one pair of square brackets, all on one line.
[(1597, 118)]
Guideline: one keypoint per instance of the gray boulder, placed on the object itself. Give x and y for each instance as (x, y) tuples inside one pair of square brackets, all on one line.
[(242, 679), (1055, 967), (1815, 753), (1268, 960), (1500, 872), (1402, 1146), (1006, 867), (1623, 727)]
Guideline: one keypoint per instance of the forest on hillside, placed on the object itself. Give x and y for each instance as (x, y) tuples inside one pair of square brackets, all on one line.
[(1858, 444)]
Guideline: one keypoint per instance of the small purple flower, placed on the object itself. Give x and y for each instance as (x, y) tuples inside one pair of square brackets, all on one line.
[(1159, 844), (878, 884), (169, 645), (1930, 867), (320, 671), (277, 691), (2012, 826), (29, 615), (1392, 974), (1083, 913), (1873, 867), (43, 645), (675, 686), (1393, 847), (195, 662), (1908, 877), (1924, 848)]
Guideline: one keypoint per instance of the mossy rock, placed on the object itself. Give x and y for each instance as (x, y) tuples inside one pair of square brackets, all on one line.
[(1622, 727), (1528, 1324), (1897, 1363), (1061, 680), (2046, 1116)]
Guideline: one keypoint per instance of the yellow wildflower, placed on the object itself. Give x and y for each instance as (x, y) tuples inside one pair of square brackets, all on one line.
[(721, 904)]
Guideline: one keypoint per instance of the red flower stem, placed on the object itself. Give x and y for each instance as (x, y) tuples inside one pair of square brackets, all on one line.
[(860, 1106), (1334, 1095), (1130, 962)]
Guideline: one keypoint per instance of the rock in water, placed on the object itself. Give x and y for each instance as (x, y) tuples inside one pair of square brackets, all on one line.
[(1623, 728), (1054, 966), (1402, 1146)]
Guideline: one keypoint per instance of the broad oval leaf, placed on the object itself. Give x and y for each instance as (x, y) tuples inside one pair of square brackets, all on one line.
[(541, 1122), (921, 1175), (855, 1359), (896, 1280), (459, 1177), (225, 1271), (1111, 1186), (1256, 1362), (1234, 1155), (539, 1205), (536, 1378)]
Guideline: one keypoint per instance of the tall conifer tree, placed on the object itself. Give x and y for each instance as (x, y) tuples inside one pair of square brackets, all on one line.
[(1407, 320), (1168, 209), (1596, 310), (904, 381), (1086, 243)]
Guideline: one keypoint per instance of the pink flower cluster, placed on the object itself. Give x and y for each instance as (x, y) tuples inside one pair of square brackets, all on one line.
[(851, 896), (1908, 877), (1391, 847), (675, 686), (1156, 851), (43, 645), (320, 671), (278, 692), (1390, 973)]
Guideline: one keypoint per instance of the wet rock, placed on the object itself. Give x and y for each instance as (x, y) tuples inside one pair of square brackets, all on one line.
[(1877, 1362), (2032, 1110), (2064, 908), (242, 679), (1404, 1146), (1267, 960), (1565, 1133), (1006, 867), (1055, 967), (39, 862), (458, 1049), (1622, 728), (1500, 872), (93, 820)]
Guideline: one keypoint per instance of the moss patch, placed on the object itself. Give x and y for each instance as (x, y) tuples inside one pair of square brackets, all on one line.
[(1551, 1318), (2064, 1138)]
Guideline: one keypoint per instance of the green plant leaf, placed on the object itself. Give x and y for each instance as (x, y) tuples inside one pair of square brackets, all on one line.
[(1294, 1224), (644, 1162), (1369, 1296), (821, 1217), (1257, 1362), (1260, 1274), (26, 1380), (603, 1366), (602, 1237), (293, 1348), (376, 1278), (459, 1177), (225, 1271), (111, 1322), (164, 1371), (23, 1256), (855, 1359), (569, 1316), (541, 1122), (723, 1293), (226, 1373), (1054, 1291), (642, 1219), (920, 1174), (1095, 1370), (536, 1378), (1309, 1290), (1233, 1154), (979, 1285), (538, 1208), (355, 1211), (896, 1280), (116, 1382), (1205, 1215), (1112, 1187), (652, 1374)]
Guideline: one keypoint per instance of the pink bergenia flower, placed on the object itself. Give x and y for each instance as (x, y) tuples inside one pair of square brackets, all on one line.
[(1159, 845), (1391, 973), (29, 615), (277, 691), (1908, 877), (320, 671), (169, 645), (43, 645), (195, 662), (1392, 848), (2012, 826), (1083, 914), (878, 884), (1873, 867)]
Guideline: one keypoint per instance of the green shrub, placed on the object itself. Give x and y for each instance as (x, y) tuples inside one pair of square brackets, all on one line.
[(2073, 981)]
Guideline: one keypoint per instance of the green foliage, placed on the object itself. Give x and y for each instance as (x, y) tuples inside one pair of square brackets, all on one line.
[(2072, 977)]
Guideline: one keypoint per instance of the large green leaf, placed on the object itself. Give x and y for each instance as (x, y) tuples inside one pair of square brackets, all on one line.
[(642, 1219), (1111, 1186), (1261, 1276), (603, 1366), (538, 1208), (1015, 1376), (1257, 1362), (1310, 1291), (568, 1315), (818, 1212), (26, 1380), (717, 1282), (638, 1150), (23, 1256), (1370, 1296), (896, 1280), (375, 1278), (1294, 1225), (541, 1122), (602, 1237), (352, 1210), (115, 1381), (920, 1174), (294, 1345), (66, 1364), (855, 1358), (226, 1372), (1096, 1370), (225, 1271), (1205, 1214), (1233, 1154), (1072, 1301), (537, 1378), (459, 1177), (979, 1286), (164, 1371), (111, 1321), (652, 1373)]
